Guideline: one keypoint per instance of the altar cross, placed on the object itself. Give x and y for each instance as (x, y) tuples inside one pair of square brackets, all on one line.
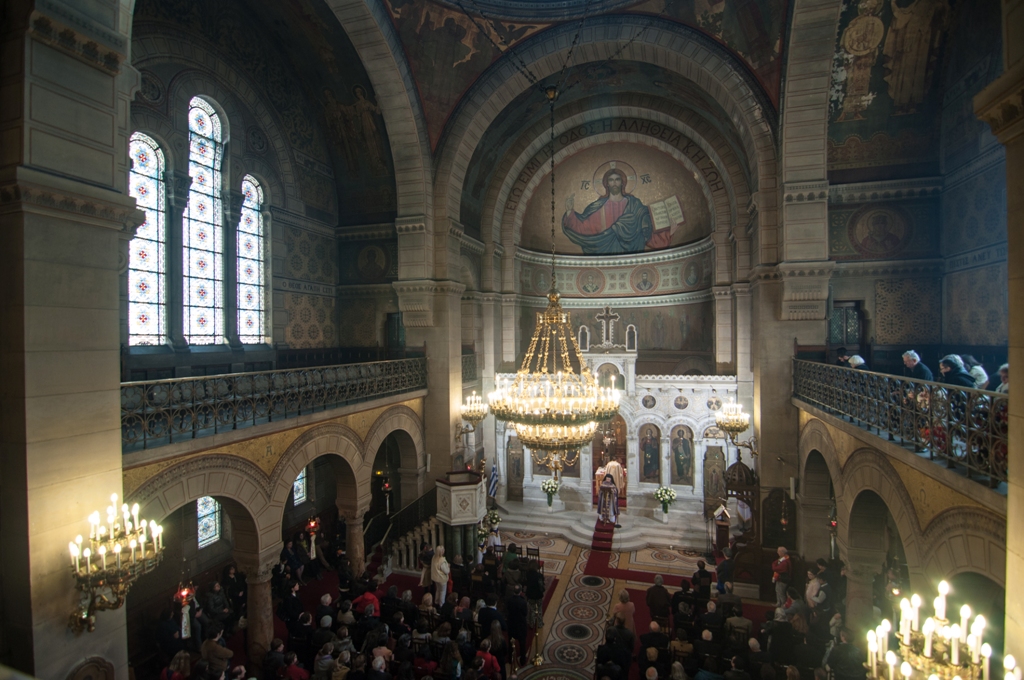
[(607, 319)]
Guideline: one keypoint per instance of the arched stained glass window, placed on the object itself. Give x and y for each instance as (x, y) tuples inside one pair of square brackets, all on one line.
[(208, 520), (251, 272), (203, 266), (147, 273), (299, 488)]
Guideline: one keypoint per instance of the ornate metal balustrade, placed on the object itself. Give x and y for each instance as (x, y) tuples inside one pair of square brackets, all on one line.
[(469, 372), (159, 412), (965, 428)]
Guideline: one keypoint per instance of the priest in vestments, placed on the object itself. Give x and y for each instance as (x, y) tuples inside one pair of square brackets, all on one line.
[(608, 502), (614, 468)]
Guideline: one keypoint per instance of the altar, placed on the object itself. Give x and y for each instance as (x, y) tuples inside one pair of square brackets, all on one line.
[(664, 435)]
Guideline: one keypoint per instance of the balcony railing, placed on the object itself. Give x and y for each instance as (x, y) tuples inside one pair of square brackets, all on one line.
[(469, 372), (965, 428), (160, 412)]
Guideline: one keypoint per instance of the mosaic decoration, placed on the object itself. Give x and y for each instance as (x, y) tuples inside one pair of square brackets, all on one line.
[(884, 231), (590, 281), (369, 262), (310, 256), (681, 402), (619, 198), (203, 262), (689, 327), (976, 311), (251, 249), (908, 311), (312, 321), (974, 213), (208, 520), (448, 49), (147, 261)]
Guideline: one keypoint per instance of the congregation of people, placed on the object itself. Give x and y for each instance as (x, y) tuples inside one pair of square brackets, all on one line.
[(704, 630), (468, 622), (961, 370)]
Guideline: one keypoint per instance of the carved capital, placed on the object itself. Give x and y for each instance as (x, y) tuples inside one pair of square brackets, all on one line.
[(411, 225), (802, 192), (416, 299), (805, 290), (1001, 104), (113, 211)]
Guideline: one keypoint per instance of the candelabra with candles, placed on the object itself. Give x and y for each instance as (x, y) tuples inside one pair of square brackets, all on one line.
[(732, 420), (473, 412), (107, 564), (935, 648)]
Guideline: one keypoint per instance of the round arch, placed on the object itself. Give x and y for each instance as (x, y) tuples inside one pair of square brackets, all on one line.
[(965, 539), (237, 484), (409, 425), (679, 48), (333, 440)]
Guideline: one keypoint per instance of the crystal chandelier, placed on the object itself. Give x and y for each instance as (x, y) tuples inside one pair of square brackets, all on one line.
[(732, 420), (106, 566), (554, 403)]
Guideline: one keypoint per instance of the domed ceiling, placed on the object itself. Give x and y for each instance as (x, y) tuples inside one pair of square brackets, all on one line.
[(448, 48)]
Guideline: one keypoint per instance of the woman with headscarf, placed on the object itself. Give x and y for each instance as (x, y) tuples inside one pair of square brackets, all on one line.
[(608, 501), (439, 570)]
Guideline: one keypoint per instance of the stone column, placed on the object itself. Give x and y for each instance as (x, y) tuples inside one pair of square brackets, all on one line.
[(354, 542), (260, 616), (509, 327), (813, 537), (232, 205), (177, 199), (1001, 105)]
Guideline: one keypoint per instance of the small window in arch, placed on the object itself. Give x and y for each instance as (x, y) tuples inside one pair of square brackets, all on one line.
[(208, 520), (299, 488), (147, 272), (251, 272)]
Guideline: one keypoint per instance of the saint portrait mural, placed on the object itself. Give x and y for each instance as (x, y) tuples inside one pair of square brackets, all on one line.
[(682, 455), (372, 263), (650, 453), (619, 198)]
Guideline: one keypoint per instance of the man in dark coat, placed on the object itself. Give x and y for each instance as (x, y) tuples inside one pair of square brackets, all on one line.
[(659, 602), (914, 368), (489, 613), (517, 612), (702, 581), (952, 369)]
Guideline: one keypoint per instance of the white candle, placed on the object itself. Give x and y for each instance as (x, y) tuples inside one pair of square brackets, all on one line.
[(88, 564), (110, 519), (954, 644), (117, 553), (972, 645), (915, 620), (132, 544), (906, 670), (884, 627), (978, 628), (142, 546), (103, 556), (873, 657), (940, 601), (928, 629), (890, 658), (135, 513), (74, 555), (125, 513), (986, 655), (965, 617), (904, 613)]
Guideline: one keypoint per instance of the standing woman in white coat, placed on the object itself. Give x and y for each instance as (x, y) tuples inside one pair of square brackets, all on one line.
[(439, 571)]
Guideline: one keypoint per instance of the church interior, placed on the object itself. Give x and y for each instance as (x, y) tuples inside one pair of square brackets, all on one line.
[(493, 339)]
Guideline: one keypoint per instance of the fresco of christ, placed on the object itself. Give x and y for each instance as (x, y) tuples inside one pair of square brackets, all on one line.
[(616, 223)]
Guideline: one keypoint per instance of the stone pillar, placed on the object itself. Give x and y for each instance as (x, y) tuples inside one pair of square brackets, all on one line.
[(64, 209), (487, 365), (354, 542), (177, 198), (1001, 105), (861, 567), (509, 328), (260, 615), (814, 539), (232, 206), (725, 340), (431, 312)]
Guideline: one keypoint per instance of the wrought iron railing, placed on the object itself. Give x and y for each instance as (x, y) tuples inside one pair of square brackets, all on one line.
[(159, 412), (469, 371), (965, 428)]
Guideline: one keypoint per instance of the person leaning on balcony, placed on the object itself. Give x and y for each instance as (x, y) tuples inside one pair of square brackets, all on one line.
[(914, 368), (857, 361), (1004, 377), (953, 373), (843, 357), (977, 371)]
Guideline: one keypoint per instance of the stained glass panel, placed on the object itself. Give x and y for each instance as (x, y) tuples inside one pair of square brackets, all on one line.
[(208, 520), (299, 488), (250, 263), (147, 274), (203, 232)]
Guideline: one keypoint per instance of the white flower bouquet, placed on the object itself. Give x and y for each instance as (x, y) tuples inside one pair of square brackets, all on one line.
[(665, 495)]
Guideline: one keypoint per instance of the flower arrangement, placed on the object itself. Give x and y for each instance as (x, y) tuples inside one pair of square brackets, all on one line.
[(665, 495), (492, 519), (482, 532), (550, 487)]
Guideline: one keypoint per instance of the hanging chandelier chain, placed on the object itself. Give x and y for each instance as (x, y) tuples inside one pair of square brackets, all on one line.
[(551, 169)]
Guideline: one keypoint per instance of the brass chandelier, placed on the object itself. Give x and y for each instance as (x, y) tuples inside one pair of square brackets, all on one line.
[(554, 403)]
